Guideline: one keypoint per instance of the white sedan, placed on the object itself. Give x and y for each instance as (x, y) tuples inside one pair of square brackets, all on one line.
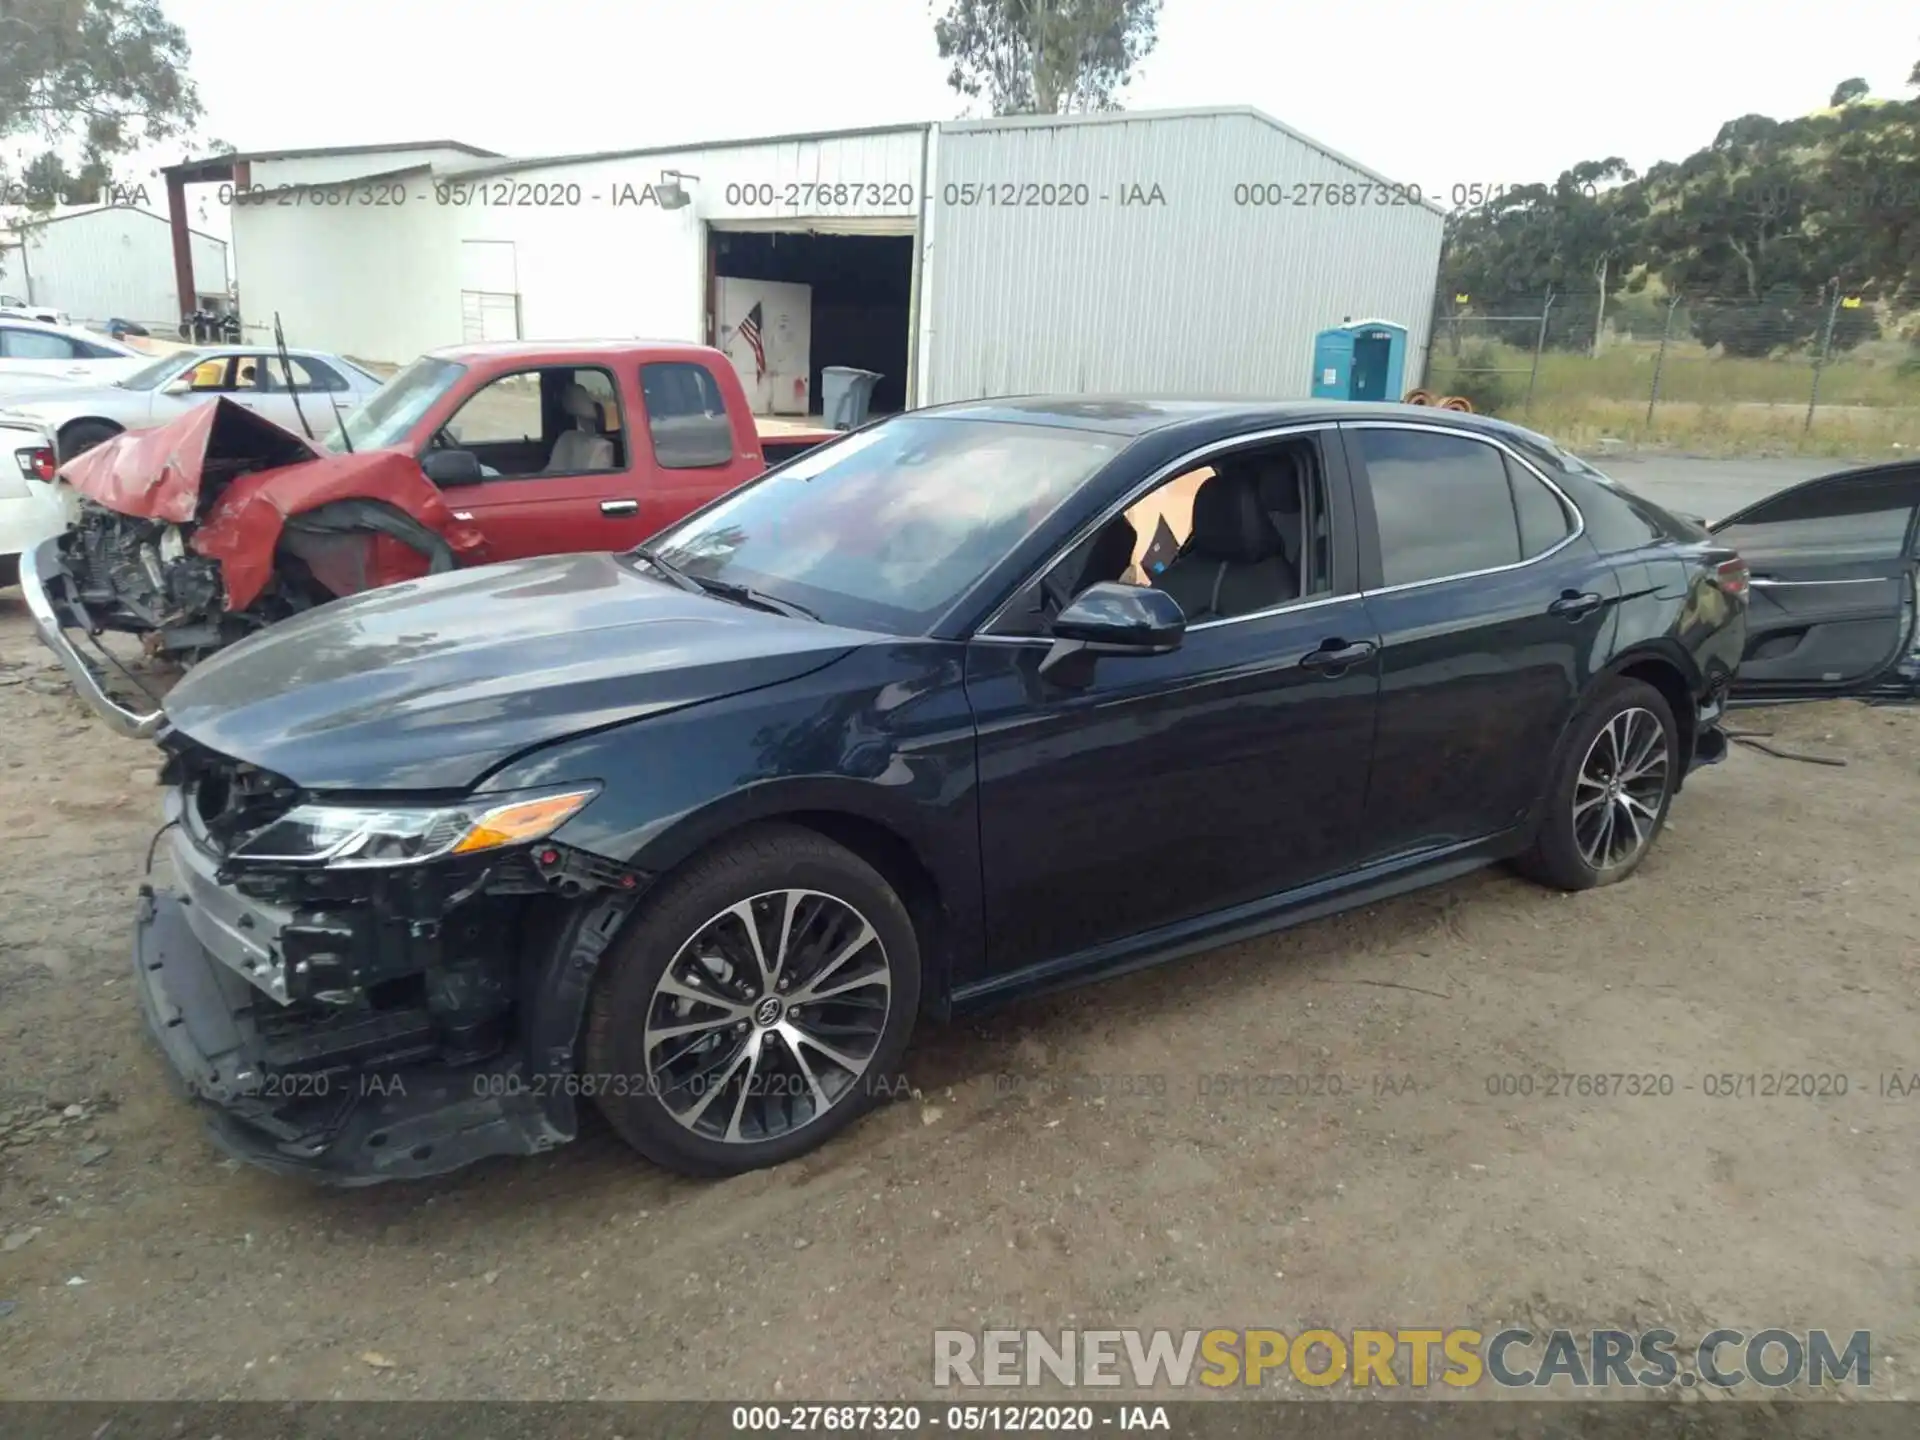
[(306, 385), (37, 353), (30, 506)]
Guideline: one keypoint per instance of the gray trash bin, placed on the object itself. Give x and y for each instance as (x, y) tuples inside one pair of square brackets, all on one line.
[(845, 394)]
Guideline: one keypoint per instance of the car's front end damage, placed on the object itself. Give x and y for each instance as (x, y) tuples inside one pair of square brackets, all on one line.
[(203, 531), (370, 992)]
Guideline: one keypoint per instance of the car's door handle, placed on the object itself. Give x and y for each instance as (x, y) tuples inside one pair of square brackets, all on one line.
[(1337, 655), (1572, 604), (619, 507)]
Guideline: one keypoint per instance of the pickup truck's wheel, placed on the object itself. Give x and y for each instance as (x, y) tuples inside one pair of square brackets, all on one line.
[(759, 1002), (82, 435), (1610, 790)]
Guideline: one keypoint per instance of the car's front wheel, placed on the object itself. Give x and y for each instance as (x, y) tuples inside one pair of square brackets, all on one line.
[(1610, 790), (758, 1003)]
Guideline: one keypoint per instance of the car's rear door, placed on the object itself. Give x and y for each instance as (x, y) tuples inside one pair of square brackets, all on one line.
[(1492, 606), (690, 447), (1832, 601)]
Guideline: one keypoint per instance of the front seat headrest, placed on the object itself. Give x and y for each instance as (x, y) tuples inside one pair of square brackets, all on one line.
[(578, 402), (1229, 521)]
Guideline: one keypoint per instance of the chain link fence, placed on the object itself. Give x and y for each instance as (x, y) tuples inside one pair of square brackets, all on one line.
[(1822, 373)]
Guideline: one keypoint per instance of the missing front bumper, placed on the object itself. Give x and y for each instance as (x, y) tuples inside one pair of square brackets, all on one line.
[(48, 591), (344, 1126)]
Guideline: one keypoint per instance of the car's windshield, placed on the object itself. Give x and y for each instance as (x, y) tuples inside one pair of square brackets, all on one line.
[(392, 410), (151, 376), (888, 528)]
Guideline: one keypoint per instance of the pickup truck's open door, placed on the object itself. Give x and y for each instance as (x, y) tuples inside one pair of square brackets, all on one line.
[(1832, 608)]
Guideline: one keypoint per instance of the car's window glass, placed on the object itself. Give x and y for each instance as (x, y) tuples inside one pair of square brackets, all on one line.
[(502, 411), (307, 375), (890, 527), (686, 415), (1442, 502), (208, 375), (34, 345), (1543, 519), (392, 411), (87, 350), (1837, 521), (158, 372)]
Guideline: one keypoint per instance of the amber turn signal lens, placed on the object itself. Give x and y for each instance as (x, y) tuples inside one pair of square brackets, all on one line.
[(521, 821)]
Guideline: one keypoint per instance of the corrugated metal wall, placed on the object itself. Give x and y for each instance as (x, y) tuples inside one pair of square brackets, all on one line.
[(1206, 293), (117, 263)]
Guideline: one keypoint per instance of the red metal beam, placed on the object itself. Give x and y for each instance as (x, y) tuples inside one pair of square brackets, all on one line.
[(182, 245)]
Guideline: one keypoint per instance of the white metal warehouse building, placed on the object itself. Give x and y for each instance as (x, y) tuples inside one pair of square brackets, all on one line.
[(106, 262), (1105, 253)]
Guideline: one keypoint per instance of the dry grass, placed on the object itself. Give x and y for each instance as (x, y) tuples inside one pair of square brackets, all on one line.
[(1869, 402)]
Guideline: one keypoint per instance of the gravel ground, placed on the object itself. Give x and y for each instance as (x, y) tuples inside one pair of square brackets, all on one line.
[(1116, 1156)]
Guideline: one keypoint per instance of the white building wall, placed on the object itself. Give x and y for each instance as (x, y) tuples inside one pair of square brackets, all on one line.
[(592, 263), (592, 252), (1199, 295), (373, 282), (113, 262)]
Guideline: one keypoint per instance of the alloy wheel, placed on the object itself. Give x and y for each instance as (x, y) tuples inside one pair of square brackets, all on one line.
[(768, 1016), (1619, 789)]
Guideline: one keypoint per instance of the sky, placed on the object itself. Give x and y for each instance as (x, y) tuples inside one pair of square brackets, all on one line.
[(1494, 92)]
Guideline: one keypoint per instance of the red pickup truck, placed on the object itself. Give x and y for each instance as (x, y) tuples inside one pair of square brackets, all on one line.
[(198, 532)]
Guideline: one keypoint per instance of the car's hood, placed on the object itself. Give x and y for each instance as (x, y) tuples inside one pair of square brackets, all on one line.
[(429, 684)]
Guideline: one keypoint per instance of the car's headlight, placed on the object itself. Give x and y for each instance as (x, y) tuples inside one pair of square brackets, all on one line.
[(355, 835)]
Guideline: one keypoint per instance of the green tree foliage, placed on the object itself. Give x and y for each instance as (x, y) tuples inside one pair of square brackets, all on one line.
[(110, 74), (1045, 57), (1760, 231), (1848, 91)]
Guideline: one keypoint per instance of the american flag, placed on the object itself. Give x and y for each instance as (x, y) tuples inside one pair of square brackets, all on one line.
[(750, 332)]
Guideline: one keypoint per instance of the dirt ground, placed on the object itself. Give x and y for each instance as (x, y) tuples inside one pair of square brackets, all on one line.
[(1110, 1157)]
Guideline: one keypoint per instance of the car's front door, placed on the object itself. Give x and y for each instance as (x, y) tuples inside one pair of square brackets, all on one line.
[(1491, 608), (546, 491), (1831, 599), (1171, 787)]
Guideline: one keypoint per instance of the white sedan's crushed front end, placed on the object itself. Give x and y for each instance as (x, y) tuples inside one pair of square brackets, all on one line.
[(31, 505)]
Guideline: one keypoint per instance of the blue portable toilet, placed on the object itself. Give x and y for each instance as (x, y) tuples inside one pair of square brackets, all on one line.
[(1360, 360)]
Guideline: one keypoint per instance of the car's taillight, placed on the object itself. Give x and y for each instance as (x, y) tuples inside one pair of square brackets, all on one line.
[(36, 463), (1731, 576)]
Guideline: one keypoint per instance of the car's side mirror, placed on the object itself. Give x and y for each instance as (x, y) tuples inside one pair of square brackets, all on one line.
[(182, 386), (452, 467), (1111, 619)]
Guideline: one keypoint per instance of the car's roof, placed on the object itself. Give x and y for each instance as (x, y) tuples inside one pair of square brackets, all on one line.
[(491, 349), (1138, 415), (72, 332)]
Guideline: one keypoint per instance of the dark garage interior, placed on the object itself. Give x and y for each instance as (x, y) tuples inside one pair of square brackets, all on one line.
[(862, 287)]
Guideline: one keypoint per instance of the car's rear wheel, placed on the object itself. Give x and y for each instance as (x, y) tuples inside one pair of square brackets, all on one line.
[(1611, 787), (758, 1003), (83, 435)]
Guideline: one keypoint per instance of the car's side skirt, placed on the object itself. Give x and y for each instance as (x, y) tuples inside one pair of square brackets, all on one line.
[(1379, 881)]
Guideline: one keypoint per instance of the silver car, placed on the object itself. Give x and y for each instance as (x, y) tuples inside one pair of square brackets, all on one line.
[(81, 416)]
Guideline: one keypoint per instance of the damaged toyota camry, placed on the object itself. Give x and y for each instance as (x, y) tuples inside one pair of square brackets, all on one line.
[(971, 703)]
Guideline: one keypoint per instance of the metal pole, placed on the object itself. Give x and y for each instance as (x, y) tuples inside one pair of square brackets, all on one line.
[(1539, 344), (1660, 360), (1820, 360)]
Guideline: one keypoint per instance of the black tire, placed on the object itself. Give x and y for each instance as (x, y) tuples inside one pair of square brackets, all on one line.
[(756, 868), (1564, 857), (82, 435)]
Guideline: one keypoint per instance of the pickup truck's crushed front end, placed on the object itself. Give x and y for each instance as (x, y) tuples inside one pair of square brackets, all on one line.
[(351, 1013), (202, 531)]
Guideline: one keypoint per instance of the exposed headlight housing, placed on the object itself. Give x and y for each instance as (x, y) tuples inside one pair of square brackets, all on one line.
[(360, 837)]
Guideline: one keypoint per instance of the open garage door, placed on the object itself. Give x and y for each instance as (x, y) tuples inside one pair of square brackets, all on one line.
[(786, 304)]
